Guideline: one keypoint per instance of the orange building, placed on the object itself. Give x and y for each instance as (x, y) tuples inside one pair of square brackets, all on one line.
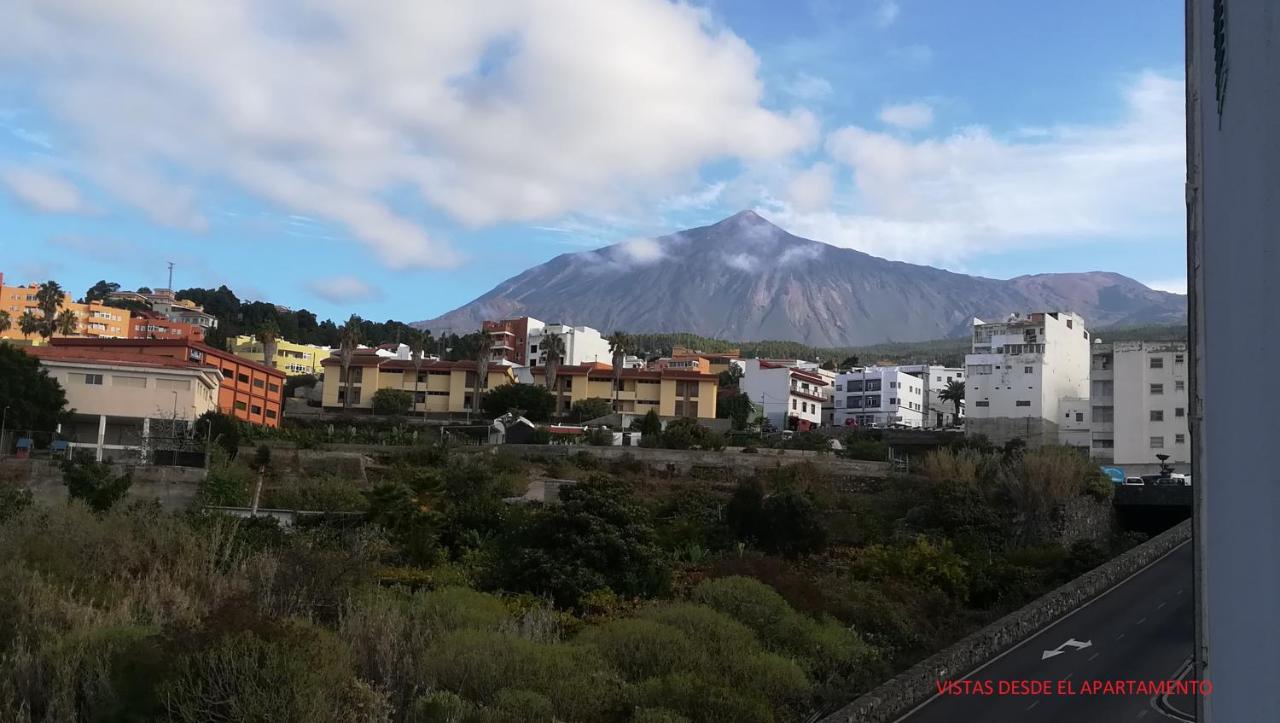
[(508, 339), (151, 325), (250, 391), (95, 320)]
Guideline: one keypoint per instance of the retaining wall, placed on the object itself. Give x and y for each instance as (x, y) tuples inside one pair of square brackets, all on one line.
[(684, 460), (174, 487), (908, 689)]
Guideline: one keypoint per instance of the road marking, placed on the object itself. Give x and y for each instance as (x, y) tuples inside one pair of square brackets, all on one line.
[(1033, 705), (1142, 713), (1121, 635), (1160, 606), (1091, 657), (1179, 591), (1071, 643), (1161, 704), (1041, 631), (1143, 620)]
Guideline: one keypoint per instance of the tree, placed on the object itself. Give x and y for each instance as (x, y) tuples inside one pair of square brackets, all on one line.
[(482, 354), (736, 407), (29, 323), (729, 377), (66, 322), (650, 427), (6, 321), (35, 399), (348, 340), (49, 298), (95, 483), (392, 402), (954, 393), (849, 362), (100, 291), (619, 342), (417, 342), (532, 401), (220, 429), (268, 335), (553, 354), (587, 409)]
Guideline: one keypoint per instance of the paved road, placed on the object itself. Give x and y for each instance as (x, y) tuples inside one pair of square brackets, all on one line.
[(1141, 630)]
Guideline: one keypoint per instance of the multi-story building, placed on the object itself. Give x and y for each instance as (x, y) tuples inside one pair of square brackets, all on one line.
[(249, 390), (1019, 371), (291, 358), (509, 339), (699, 364), (582, 345), (120, 398), (440, 387), (719, 362), (1137, 404), (880, 397), (93, 319), (669, 392), (940, 414), (150, 325), (165, 303), (792, 396)]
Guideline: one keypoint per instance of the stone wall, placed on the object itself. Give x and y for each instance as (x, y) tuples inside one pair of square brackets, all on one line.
[(1084, 518), (174, 487), (917, 684), (685, 460)]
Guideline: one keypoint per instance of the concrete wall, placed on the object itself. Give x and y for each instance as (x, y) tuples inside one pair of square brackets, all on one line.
[(1085, 518), (685, 460), (1035, 431), (174, 487), (917, 684)]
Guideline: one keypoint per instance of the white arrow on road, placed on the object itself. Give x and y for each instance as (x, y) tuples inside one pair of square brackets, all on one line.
[(1071, 643)]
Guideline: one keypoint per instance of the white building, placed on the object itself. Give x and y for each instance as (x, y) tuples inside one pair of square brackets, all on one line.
[(1138, 404), (938, 413), (879, 397), (1020, 370), (582, 344), (791, 396)]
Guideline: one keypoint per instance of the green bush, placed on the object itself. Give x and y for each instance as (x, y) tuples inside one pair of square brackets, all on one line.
[(642, 649), (325, 494), (392, 402), (95, 483)]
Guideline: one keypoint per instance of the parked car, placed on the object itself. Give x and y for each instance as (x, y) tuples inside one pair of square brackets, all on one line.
[(1133, 481)]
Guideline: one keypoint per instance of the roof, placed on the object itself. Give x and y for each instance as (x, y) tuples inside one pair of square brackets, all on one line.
[(94, 342), (605, 372), (366, 358), (114, 357)]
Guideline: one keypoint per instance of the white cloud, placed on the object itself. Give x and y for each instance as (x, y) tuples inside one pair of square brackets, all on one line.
[(807, 87), (640, 251), (43, 192), (507, 111), (343, 289), (810, 189), (743, 262), (945, 198), (912, 116), (1174, 286), (887, 12)]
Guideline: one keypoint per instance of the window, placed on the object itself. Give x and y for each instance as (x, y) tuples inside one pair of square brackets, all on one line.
[(90, 379), (1179, 439), (533, 348), (855, 386), (258, 384), (1069, 326), (873, 385), (1026, 370), (136, 382), (1157, 415), (1104, 443), (271, 414), (871, 402), (839, 387), (1104, 414), (893, 401), (793, 404), (893, 385), (1157, 362), (1102, 388), (273, 388), (228, 374), (173, 385), (853, 402), (1079, 416), (243, 378), (1179, 386), (979, 369), (982, 403), (1023, 403), (1179, 412), (355, 395), (241, 406), (1157, 442), (255, 409), (1157, 389), (1177, 359)]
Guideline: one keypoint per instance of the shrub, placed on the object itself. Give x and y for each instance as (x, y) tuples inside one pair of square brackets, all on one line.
[(866, 449), (534, 401), (599, 437), (642, 649), (325, 494), (95, 483), (702, 700), (921, 562), (392, 402), (587, 409)]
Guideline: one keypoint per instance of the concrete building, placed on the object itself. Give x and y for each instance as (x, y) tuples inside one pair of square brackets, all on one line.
[(669, 392), (121, 400), (94, 320), (442, 387), (509, 339), (1138, 404), (165, 303), (939, 414), (791, 395), (879, 397), (151, 325), (1019, 371), (582, 345), (249, 390), (291, 358)]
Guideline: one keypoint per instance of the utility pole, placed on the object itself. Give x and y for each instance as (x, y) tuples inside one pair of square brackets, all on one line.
[(170, 276)]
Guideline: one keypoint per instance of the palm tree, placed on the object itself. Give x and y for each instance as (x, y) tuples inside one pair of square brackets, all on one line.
[(268, 336), (29, 323), (619, 342), (66, 322), (348, 340), (49, 297), (553, 353), (417, 342), (482, 370), (954, 393), (6, 322)]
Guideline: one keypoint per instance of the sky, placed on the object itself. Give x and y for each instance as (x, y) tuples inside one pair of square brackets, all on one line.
[(398, 159)]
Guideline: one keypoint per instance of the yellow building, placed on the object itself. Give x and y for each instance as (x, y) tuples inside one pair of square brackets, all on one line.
[(442, 386), (94, 319), (671, 392), (717, 363), (291, 358)]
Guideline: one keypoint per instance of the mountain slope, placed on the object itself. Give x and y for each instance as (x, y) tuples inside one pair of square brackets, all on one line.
[(744, 278)]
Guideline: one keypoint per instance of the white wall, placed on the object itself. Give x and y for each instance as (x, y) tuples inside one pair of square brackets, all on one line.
[(119, 396), (582, 344), (901, 398), (772, 389), (1134, 402)]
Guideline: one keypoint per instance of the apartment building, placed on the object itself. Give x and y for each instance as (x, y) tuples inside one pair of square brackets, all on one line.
[(1020, 370), (439, 387), (95, 320), (940, 414), (290, 357), (249, 390), (698, 364), (165, 303), (509, 339), (150, 325), (1138, 404), (669, 392), (582, 345), (117, 396), (719, 362), (880, 397), (791, 395)]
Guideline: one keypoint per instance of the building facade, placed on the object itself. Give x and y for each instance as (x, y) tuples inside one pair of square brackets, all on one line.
[(150, 325), (94, 320), (438, 387), (1019, 371), (509, 339), (1138, 403), (582, 345), (669, 392), (165, 303), (249, 390), (792, 397), (120, 400), (291, 358), (939, 414), (880, 397)]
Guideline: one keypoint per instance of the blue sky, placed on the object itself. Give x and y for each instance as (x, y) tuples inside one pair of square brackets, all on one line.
[(398, 161)]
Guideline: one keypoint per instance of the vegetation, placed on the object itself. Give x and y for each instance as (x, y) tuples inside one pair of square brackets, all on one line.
[(585, 410), (95, 483), (392, 402), (35, 400), (529, 400)]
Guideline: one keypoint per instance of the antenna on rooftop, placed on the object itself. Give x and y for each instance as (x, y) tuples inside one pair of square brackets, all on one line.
[(171, 276)]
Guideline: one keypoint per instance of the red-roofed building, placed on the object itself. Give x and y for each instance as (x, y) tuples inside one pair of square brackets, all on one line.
[(669, 392), (792, 397), (151, 325), (440, 387), (249, 390)]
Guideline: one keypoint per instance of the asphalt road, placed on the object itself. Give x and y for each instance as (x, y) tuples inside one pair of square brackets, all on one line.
[(1140, 630)]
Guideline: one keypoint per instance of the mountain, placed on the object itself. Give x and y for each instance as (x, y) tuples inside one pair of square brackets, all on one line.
[(744, 278)]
